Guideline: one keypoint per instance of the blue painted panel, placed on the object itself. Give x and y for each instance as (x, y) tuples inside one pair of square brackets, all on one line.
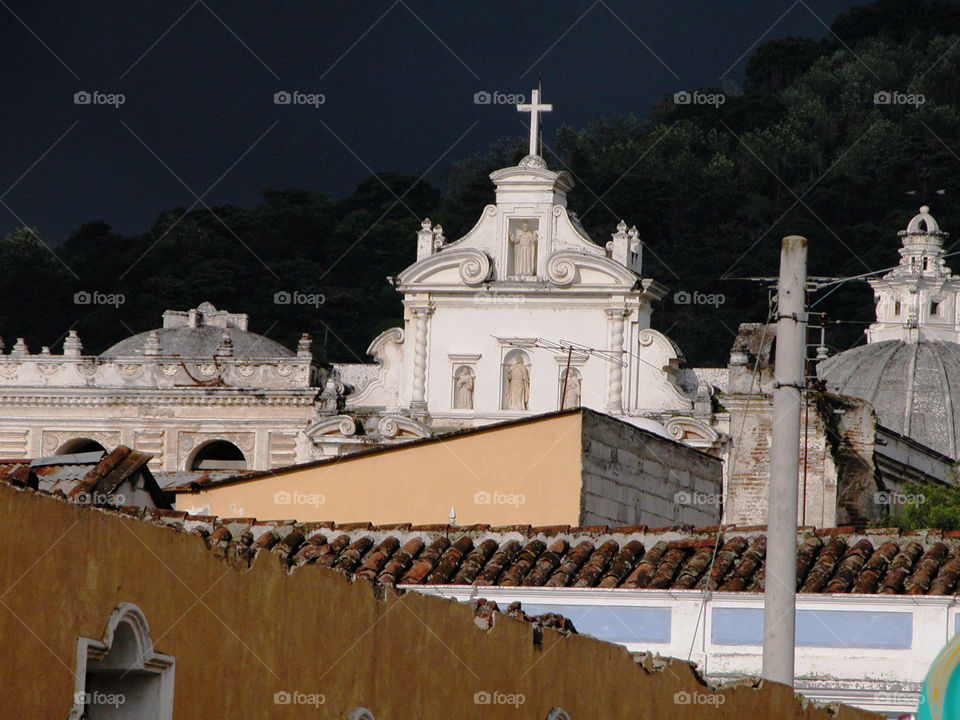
[(819, 628), (613, 623)]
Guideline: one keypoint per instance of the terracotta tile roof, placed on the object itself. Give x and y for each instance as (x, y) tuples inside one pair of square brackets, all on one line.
[(834, 560), (82, 477)]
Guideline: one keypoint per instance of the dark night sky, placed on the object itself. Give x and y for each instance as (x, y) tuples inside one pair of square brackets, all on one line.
[(399, 81)]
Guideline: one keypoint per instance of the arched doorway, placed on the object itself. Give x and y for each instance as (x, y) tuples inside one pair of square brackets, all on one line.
[(217, 455), (80, 445)]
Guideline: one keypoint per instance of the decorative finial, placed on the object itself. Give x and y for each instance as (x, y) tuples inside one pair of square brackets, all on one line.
[(19, 347), (924, 209), (151, 346), (453, 516), (303, 346), (225, 348), (72, 347), (621, 226), (425, 224)]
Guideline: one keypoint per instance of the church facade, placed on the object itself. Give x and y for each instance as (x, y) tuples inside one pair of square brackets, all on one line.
[(526, 315)]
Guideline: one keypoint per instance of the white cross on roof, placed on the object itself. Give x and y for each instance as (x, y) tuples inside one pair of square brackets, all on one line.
[(534, 108)]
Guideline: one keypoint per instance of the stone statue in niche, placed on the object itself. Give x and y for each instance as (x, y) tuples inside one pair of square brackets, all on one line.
[(571, 397), (463, 389), (518, 384), (524, 242)]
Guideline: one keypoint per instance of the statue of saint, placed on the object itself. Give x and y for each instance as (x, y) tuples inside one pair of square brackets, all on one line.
[(572, 392), (518, 385), (524, 241), (463, 389)]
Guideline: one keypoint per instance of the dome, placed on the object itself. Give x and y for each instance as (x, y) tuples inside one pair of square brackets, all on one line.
[(923, 224), (909, 385), (199, 342)]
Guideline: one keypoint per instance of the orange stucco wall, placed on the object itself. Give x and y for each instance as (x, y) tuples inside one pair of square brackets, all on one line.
[(529, 473), (239, 634)]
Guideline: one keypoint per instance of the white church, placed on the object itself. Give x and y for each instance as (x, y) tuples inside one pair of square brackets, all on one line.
[(525, 314)]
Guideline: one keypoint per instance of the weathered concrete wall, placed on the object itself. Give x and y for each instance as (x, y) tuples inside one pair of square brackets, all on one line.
[(633, 477), (239, 637)]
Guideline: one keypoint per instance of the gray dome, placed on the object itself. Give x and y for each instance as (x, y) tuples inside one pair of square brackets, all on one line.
[(910, 385), (203, 341)]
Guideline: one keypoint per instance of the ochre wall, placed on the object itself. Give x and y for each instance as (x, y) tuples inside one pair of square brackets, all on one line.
[(530, 472), (240, 637)]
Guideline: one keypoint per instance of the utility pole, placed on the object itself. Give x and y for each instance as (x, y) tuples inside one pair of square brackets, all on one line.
[(780, 601)]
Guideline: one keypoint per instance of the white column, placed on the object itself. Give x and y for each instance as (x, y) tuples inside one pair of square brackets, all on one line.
[(421, 316), (615, 385)]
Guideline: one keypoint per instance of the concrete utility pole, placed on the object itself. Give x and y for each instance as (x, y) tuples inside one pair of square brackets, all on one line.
[(780, 601)]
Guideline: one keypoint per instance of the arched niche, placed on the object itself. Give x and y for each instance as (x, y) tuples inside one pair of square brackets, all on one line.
[(121, 676), (515, 380), (217, 455), (464, 387), (75, 446), (570, 388)]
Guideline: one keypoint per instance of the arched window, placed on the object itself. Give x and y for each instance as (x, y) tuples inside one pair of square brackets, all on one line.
[(516, 381), (217, 455), (80, 445), (121, 676)]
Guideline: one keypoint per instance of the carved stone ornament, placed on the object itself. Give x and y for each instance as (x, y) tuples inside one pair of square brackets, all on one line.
[(476, 268), (87, 370), (561, 269), (9, 369), (129, 371)]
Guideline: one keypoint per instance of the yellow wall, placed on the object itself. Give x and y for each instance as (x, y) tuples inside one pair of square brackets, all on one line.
[(530, 472), (239, 634)]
